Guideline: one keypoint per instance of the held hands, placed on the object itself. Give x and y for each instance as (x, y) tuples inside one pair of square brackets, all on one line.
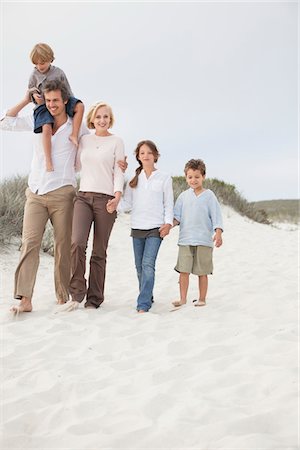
[(218, 238), (165, 230), (111, 205)]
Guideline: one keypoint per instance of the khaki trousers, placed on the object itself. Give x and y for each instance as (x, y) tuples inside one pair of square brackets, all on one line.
[(90, 207), (57, 206)]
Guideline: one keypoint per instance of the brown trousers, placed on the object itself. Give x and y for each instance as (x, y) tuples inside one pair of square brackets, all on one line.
[(90, 207), (57, 206)]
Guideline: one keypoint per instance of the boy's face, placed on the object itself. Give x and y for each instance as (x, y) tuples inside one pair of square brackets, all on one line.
[(194, 179), (43, 66)]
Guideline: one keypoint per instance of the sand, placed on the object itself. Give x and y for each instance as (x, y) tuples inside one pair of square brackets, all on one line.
[(224, 376)]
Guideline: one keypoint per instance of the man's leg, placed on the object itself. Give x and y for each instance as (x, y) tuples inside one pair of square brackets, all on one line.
[(34, 222), (60, 205)]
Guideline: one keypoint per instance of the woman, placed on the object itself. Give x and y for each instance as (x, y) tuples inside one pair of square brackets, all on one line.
[(149, 195), (101, 186)]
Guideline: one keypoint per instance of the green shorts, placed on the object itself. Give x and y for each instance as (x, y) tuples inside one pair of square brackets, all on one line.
[(195, 259)]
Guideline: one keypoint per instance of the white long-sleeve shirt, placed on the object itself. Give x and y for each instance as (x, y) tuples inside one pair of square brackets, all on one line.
[(97, 159), (151, 202), (63, 153)]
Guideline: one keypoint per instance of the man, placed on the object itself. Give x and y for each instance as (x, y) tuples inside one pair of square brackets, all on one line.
[(49, 196)]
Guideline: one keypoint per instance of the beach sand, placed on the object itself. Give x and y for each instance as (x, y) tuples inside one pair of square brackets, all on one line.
[(224, 376)]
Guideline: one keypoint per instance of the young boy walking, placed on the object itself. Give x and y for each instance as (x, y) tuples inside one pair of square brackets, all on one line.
[(198, 214)]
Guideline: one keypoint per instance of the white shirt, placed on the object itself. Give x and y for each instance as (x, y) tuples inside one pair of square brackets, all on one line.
[(63, 154), (151, 202), (98, 157)]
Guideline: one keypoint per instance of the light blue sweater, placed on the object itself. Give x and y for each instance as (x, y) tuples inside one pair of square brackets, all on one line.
[(199, 216)]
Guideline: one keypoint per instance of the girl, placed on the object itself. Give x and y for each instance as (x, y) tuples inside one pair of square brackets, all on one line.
[(149, 196)]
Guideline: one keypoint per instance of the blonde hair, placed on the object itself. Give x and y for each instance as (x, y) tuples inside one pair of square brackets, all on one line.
[(93, 111), (41, 52), (133, 183)]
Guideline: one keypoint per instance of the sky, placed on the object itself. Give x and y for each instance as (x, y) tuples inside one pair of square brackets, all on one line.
[(210, 80)]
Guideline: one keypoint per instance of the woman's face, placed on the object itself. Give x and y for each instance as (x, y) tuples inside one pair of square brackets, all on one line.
[(145, 155), (102, 120)]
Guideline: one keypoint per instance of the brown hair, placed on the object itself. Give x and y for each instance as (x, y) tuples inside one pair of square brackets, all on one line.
[(133, 183), (41, 52), (57, 85), (195, 164), (93, 111)]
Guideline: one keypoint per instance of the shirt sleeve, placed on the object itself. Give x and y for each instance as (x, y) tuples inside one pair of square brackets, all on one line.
[(64, 79), (118, 173), (215, 212), (178, 208), (17, 123), (125, 205), (168, 201)]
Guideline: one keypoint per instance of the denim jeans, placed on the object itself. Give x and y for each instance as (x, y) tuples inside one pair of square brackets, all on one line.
[(145, 254)]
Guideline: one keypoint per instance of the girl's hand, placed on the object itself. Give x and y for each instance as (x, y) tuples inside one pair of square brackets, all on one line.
[(165, 230), (123, 164)]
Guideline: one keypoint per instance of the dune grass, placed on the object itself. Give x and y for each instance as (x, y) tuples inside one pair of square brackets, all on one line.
[(12, 200)]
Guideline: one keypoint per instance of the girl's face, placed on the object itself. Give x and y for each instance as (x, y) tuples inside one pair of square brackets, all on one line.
[(102, 120), (146, 156)]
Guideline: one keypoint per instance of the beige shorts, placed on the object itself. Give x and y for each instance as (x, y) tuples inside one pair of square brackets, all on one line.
[(195, 259)]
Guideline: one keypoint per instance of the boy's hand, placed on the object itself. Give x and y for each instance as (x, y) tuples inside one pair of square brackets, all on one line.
[(218, 238)]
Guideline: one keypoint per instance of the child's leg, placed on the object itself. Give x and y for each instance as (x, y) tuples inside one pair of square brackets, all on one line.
[(77, 119), (183, 288), (203, 285), (46, 138)]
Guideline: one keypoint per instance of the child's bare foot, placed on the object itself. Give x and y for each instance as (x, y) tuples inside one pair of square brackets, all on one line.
[(199, 302), (24, 306), (74, 140), (178, 303)]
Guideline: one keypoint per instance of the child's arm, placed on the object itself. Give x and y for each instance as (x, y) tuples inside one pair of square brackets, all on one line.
[(218, 237), (13, 112), (77, 119), (175, 222)]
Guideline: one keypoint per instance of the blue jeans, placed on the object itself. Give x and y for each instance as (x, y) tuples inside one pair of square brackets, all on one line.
[(145, 254)]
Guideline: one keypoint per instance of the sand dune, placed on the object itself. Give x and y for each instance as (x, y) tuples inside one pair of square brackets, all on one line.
[(219, 377)]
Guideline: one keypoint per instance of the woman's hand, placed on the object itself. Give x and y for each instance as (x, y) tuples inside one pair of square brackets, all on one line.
[(112, 205)]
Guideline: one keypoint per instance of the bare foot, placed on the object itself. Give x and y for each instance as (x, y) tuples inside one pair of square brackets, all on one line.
[(24, 306), (60, 301), (141, 311), (199, 302), (178, 303)]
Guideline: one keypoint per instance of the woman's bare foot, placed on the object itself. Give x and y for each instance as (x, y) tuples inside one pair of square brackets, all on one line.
[(59, 301), (24, 306)]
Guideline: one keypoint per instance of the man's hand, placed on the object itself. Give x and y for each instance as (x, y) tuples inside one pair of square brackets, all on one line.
[(165, 230), (123, 164)]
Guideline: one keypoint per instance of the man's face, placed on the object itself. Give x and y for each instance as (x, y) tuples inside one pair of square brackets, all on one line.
[(54, 103)]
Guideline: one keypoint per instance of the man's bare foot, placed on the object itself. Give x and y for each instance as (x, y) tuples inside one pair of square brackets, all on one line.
[(141, 311), (74, 140), (199, 302), (24, 306)]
